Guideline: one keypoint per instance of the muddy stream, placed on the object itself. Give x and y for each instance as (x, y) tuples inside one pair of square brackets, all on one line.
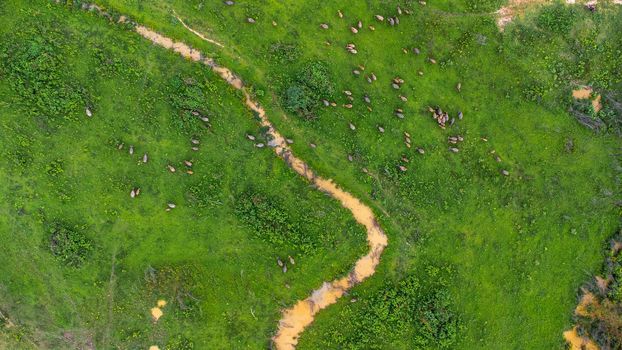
[(295, 319)]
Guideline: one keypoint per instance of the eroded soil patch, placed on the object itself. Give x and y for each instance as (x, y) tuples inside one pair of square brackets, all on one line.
[(585, 93)]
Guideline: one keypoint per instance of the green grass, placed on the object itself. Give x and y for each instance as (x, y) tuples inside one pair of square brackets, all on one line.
[(518, 247), (67, 167)]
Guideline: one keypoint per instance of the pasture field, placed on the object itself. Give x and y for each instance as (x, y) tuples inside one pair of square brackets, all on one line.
[(493, 222)]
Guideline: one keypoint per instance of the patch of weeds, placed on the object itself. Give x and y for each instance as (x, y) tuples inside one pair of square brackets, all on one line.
[(34, 63), (416, 311), (206, 193), (69, 244), (534, 91), (314, 83), (483, 5), (19, 157), (191, 102), (179, 285), (284, 52), (270, 221), (179, 342), (109, 66), (557, 18), (55, 168)]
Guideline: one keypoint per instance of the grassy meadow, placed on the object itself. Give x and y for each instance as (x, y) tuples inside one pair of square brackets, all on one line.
[(212, 258), (476, 259)]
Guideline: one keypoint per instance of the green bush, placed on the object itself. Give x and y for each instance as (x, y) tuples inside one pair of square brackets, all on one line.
[(205, 193), (34, 64), (299, 99), (190, 102), (69, 244), (557, 18), (414, 311), (314, 83), (282, 52), (270, 221), (316, 76)]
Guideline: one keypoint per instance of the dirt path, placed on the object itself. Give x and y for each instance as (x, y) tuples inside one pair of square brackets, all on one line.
[(203, 37), (295, 319)]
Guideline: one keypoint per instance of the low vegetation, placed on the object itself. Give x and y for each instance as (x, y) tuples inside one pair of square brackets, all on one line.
[(415, 312), (69, 244), (505, 221), (89, 247), (599, 316), (308, 88)]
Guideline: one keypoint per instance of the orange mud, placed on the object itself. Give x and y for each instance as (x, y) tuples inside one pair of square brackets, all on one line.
[(586, 93), (578, 342), (157, 312), (583, 308)]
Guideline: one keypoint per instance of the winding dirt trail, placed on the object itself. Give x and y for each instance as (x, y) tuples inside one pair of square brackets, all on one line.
[(295, 319), (203, 37)]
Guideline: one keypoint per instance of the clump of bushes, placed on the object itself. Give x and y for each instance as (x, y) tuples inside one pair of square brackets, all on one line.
[(188, 98), (270, 221), (304, 95), (417, 312), (55, 167), (34, 64), (557, 18), (179, 342), (69, 244), (179, 285), (206, 193), (283, 52), (602, 320)]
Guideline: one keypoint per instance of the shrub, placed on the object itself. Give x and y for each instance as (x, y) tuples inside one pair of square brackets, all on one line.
[(270, 221), (308, 88), (316, 77), (299, 99), (556, 18), (70, 245), (190, 102), (34, 64), (408, 311), (206, 193), (284, 52)]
